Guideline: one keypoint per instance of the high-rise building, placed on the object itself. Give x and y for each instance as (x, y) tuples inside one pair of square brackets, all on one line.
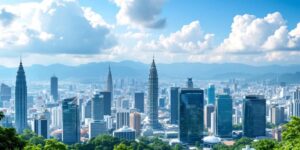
[(21, 100), (139, 101), (88, 109), (191, 105), (189, 83), (174, 104), (109, 84), (277, 115), (153, 97), (135, 122), (224, 116), (254, 116), (54, 87), (162, 102), (70, 121), (125, 133), (208, 110), (5, 92), (122, 119), (41, 127), (211, 94), (97, 127), (107, 100), (97, 107), (295, 104)]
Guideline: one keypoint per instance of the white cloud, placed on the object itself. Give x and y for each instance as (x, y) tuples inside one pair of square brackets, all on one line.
[(141, 13), (189, 39), (54, 26)]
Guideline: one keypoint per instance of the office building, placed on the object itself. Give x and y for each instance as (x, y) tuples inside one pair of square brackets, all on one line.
[(97, 107), (224, 116), (191, 115), (122, 119), (189, 83), (135, 122), (208, 110), (174, 91), (254, 116), (211, 94), (139, 101), (97, 127), (125, 133), (70, 121), (107, 100), (5, 93), (276, 115), (21, 100), (41, 127), (54, 87), (153, 97)]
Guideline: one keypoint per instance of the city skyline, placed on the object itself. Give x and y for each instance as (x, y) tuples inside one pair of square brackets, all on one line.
[(117, 30)]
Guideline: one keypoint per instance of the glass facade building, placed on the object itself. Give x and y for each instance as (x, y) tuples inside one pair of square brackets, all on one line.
[(191, 112), (174, 104), (224, 116), (254, 116)]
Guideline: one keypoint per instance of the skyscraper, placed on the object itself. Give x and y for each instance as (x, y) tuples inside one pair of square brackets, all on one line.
[(21, 100), (189, 83), (224, 116), (208, 110), (174, 104), (211, 94), (122, 119), (107, 100), (191, 115), (295, 104), (109, 84), (5, 92), (41, 127), (135, 122), (97, 107), (153, 97), (254, 116), (70, 123), (276, 114), (54, 87), (139, 101)]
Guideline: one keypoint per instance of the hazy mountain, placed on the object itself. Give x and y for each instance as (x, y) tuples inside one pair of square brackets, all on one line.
[(96, 71)]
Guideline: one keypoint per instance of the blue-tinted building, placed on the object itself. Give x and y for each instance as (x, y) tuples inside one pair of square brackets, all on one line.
[(54, 87), (174, 91), (139, 101), (20, 100), (211, 94), (97, 107), (70, 121), (107, 100), (191, 115), (254, 116), (223, 116)]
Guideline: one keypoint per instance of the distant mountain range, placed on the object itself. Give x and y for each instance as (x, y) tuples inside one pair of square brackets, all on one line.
[(130, 69)]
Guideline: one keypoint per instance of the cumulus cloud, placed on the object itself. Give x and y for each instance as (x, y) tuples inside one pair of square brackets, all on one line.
[(55, 27), (6, 18), (141, 13), (250, 34), (189, 39)]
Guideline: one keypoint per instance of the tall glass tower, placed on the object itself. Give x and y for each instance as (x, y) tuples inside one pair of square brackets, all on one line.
[(109, 84), (254, 116), (211, 94), (21, 100), (54, 87), (191, 115), (174, 104), (224, 116), (153, 97)]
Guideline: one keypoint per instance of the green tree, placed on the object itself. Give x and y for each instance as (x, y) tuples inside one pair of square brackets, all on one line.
[(33, 147), (265, 144), (291, 135), (53, 144), (122, 146), (239, 144), (37, 140), (27, 135)]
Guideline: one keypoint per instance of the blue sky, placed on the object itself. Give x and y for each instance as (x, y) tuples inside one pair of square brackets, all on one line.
[(211, 31)]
